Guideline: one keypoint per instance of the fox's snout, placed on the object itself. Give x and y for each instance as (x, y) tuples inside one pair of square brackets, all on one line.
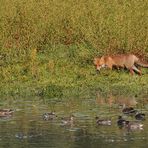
[(100, 66), (97, 71)]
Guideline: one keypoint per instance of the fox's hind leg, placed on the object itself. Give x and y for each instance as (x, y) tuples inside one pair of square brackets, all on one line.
[(136, 69)]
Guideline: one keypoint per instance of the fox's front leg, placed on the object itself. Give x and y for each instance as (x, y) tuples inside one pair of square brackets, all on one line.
[(137, 70)]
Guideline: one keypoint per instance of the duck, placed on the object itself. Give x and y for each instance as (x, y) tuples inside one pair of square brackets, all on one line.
[(128, 110), (68, 120), (49, 116), (133, 125), (103, 121), (121, 122), (140, 116), (6, 112)]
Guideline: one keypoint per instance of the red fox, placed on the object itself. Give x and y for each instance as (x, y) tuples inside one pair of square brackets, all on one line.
[(128, 61)]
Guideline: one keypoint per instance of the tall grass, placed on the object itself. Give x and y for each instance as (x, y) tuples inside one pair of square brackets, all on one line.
[(40, 39), (104, 24)]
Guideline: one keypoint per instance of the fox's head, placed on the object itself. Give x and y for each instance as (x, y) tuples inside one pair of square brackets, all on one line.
[(99, 63)]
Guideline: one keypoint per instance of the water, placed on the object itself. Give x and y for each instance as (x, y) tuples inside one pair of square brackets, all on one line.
[(26, 128)]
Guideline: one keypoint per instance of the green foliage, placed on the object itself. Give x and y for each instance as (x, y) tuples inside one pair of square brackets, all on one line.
[(53, 91)]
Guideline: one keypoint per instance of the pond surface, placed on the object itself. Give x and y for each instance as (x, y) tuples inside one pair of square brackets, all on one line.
[(26, 128)]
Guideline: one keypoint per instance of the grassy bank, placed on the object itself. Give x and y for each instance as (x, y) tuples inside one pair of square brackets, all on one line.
[(47, 47), (69, 73)]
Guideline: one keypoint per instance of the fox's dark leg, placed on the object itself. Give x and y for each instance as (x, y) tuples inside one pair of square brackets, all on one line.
[(136, 69)]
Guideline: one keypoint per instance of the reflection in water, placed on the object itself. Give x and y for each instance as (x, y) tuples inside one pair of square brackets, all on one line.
[(26, 128), (112, 100)]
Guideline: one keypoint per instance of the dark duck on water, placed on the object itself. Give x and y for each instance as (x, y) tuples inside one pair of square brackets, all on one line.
[(121, 122), (140, 116), (103, 121), (6, 112), (68, 120), (133, 125), (49, 116), (128, 110)]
